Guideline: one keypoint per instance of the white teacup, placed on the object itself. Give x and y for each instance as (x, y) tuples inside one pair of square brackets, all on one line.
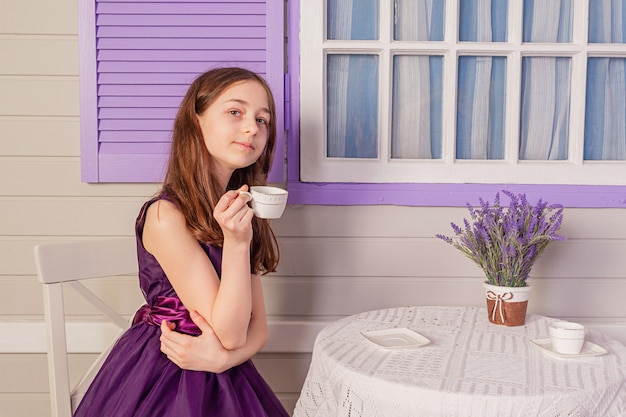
[(267, 202), (567, 337)]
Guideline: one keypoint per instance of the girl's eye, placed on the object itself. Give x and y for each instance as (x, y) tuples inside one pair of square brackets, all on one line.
[(262, 121), (235, 112)]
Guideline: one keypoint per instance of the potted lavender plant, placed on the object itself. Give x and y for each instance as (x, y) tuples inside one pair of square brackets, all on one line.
[(505, 242)]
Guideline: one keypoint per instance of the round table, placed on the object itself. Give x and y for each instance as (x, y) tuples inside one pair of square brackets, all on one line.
[(470, 368)]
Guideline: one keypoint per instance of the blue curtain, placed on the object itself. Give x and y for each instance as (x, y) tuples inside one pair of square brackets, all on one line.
[(352, 82), (416, 102), (605, 108), (548, 21), (481, 82), (352, 19), (417, 107), (418, 20), (483, 20), (544, 118), (480, 107), (546, 83), (352, 107), (416, 113)]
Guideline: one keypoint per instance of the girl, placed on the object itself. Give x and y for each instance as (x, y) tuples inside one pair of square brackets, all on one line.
[(201, 249)]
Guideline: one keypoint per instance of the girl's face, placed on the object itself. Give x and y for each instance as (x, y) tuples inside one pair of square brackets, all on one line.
[(235, 127)]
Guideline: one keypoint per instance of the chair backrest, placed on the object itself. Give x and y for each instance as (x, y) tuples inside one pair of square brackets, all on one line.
[(68, 263)]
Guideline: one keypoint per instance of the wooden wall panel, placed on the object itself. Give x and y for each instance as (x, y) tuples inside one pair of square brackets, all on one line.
[(416, 222), (26, 300), (337, 296), (607, 226), (397, 272), (39, 55), (38, 136), (23, 373), (40, 17), (24, 404), (407, 257), (330, 298), (39, 96), (62, 179), (72, 217)]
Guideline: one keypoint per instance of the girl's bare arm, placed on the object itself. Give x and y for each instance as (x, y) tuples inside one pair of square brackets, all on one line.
[(227, 304), (205, 352)]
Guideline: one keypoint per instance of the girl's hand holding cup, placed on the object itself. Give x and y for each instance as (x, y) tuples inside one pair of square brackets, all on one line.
[(234, 215)]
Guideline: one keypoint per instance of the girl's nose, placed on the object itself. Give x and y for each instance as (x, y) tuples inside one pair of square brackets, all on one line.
[(250, 126)]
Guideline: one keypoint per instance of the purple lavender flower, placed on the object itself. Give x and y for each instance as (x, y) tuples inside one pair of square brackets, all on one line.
[(506, 241)]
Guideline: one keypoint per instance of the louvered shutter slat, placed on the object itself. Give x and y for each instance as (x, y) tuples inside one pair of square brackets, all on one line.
[(146, 54)]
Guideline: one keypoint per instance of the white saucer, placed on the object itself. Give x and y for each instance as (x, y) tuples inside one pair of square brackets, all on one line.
[(589, 349), (400, 337)]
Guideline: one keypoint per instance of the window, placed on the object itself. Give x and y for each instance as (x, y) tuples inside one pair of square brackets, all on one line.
[(519, 92), (137, 60), (135, 57)]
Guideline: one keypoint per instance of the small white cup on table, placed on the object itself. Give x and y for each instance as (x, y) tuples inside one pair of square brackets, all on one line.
[(567, 338), (267, 202)]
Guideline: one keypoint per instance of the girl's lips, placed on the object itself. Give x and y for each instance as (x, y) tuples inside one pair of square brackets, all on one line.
[(245, 145)]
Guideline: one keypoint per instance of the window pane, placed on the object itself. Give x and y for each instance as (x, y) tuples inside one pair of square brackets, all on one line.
[(545, 108), (548, 21), (352, 19), (607, 21), (419, 20), (605, 115), (352, 106), (483, 20), (416, 107), (481, 107)]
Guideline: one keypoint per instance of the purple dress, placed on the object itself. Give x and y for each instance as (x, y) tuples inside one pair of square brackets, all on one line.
[(138, 380)]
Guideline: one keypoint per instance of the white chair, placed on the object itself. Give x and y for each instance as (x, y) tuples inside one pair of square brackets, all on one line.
[(68, 263)]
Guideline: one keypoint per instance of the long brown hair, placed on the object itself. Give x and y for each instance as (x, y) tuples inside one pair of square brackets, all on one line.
[(189, 181)]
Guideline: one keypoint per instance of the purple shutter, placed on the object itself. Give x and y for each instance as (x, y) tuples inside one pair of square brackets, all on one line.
[(137, 59)]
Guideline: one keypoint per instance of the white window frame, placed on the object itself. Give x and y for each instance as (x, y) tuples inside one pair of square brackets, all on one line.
[(316, 167)]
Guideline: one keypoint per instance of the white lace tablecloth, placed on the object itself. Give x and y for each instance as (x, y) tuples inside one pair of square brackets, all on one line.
[(470, 368)]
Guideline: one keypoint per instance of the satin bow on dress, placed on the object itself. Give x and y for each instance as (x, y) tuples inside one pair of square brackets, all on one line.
[(170, 309)]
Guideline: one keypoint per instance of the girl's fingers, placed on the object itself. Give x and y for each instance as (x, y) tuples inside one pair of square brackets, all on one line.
[(230, 197), (234, 203), (233, 213), (226, 200), (246, 196)]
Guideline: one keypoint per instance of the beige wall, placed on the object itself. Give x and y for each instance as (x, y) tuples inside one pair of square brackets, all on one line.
[(335, 260)]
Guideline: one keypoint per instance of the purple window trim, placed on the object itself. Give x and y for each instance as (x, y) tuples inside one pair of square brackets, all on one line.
[(88, 87), (426, 195), (275, 27)]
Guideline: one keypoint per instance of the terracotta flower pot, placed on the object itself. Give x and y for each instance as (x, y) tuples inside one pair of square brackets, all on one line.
[(507, 305)]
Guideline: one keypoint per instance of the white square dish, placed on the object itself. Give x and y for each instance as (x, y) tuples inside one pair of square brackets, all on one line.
[(399, 337), (589, 349)]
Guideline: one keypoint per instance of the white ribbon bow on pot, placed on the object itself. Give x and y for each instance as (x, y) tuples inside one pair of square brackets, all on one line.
[(500, 299)]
